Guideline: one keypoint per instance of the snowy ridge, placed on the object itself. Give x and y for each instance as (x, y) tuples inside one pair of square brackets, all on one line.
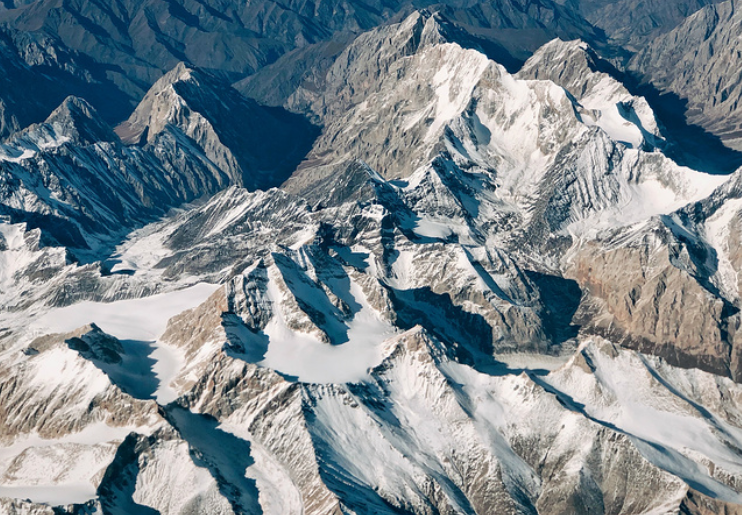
[(602, 100)]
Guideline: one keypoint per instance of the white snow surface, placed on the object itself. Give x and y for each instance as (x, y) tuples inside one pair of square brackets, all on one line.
[(310, 360), (28, 147), (718, 233), (142, 319), (16, 256), (142, 250), (60, 471), (642, 200), (623, 392)]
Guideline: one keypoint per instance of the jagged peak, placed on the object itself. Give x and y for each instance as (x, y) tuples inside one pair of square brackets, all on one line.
[(422, 29), (70, 107), (44, 343), (256, 146), (559, 58), (416, 341), (161, 104), (174, 99), (598, 88), (73, 121), (352, 180), (434, 28), (180, 72), (419, 29), (561, 46), (77, 119)]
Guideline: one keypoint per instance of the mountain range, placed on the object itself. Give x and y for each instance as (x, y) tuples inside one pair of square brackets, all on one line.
[(341, 257)]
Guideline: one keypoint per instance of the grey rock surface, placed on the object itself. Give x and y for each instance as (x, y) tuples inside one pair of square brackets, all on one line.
[(698, 63)]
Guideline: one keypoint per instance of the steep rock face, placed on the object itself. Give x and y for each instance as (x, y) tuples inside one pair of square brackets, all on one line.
[(256, 147), (697, 62), (312, 268), (633, 24), (72, 175), (44, 394), (397, 334), (367, 112), (699, 504), (603, 100), (131, 45), (133, 482), (408, 411), (260, 407), (38, 73), (647, 309), (675, 261), (64, 419)]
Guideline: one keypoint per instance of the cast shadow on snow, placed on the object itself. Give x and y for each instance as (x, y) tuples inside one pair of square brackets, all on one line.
[(132, 370), (224, 455), (664, 457), (706, 414), (376, 398), (142, 383), (315, 301), (561, 298), (442, 318), (116, 490), (55, 230), (247, 345), (692, 145), (242, 342)]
